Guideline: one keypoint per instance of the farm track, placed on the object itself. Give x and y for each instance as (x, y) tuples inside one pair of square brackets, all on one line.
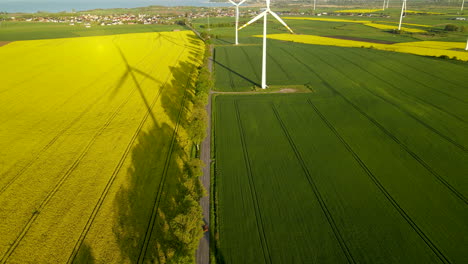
[(149, 229), (382, 189), (315, 189), (401, 90), (63, 179), (116, 171), (403, 74), (456, 144), (253, 191)]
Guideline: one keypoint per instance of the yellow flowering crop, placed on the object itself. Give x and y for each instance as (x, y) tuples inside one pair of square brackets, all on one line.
[(381, 26), (82, 120), (424, 48), (364, 22)]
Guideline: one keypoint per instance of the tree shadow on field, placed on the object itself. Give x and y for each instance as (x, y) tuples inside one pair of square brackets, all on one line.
[(159, 188), (85, 255)]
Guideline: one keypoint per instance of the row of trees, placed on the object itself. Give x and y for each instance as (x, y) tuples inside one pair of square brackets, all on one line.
[(186, 228)]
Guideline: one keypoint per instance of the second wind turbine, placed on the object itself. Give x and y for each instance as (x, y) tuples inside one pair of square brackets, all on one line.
[(264, 14), (237, 18)]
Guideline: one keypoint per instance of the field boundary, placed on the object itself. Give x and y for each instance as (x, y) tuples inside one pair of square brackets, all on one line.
[(253, 192), (382, 189), (315, 189)]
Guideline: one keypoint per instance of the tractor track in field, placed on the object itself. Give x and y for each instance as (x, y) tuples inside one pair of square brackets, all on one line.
[(456, 144), (315, 189), (63, 131), (402, 73), (427, 73), (398, 89), (382, 189), (273, 58), (149, 229), (116, 171), (394, 138), (402, 145), (62, 180), (252, 67), (50, 143), (253, 192), (231, 81)]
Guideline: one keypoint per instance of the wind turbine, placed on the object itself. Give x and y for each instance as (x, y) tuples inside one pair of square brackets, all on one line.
[(264, 14), (403, 10), (463, 3), (384, 3), (388, 1), (237, 18)]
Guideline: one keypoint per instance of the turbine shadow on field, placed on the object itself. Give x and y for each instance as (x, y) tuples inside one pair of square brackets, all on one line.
[(158, 188), (130, 71), (236, 73)]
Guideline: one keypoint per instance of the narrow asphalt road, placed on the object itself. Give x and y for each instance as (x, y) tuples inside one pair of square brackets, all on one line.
[(203, 251)]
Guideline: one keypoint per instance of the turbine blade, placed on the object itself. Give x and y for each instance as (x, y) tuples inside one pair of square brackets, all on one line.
[(232, 2), (281, 21), (254, 19), (242, 2)]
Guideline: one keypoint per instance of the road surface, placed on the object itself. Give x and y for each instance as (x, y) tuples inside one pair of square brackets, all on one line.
[(203, 252)]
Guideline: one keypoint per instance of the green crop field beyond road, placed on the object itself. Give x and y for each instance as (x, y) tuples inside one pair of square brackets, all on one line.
[(93, 146), (369, 167)]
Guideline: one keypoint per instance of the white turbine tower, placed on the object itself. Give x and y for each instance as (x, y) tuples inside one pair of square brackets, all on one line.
[(463, 3), (403, 10), (237, 18), (264, 14), (388, 1), (384, 3)]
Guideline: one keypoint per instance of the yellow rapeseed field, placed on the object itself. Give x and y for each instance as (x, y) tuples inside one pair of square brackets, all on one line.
[(364, 22), (381, 26), (82, 120), (425, 48), (423, 12)]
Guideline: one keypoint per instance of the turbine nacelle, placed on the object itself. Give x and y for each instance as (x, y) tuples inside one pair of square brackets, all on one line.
[(237, 4), (264, 15), (237, 18)]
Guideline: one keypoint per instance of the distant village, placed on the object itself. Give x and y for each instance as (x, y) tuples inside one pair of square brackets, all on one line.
[(90, 19)]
